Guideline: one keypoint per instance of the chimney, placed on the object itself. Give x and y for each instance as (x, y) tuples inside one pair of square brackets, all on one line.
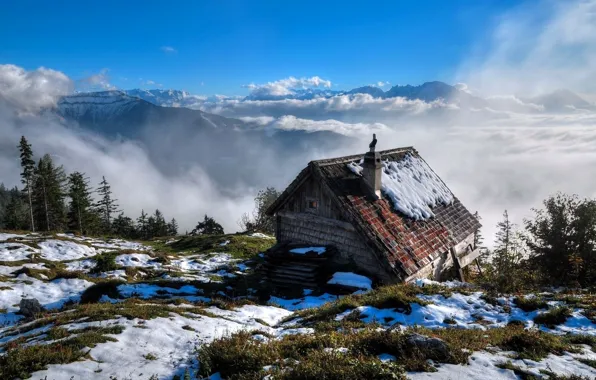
[(372, 168)]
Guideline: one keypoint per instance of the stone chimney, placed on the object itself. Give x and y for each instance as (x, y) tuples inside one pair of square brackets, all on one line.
[(372, 168)]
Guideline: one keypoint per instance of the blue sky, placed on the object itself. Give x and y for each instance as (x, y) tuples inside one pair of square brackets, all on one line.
[(218, 46)]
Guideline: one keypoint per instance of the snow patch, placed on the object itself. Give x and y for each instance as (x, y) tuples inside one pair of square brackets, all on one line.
[(304, 250), (351, 279), (61, 250)]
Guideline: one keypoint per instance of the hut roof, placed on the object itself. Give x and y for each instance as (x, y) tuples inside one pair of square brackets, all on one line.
[(416, 219)]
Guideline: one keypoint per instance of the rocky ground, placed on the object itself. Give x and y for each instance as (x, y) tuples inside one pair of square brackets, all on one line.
[(194, 307)]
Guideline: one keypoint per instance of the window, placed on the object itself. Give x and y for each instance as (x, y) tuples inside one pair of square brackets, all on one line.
[(312, 204)]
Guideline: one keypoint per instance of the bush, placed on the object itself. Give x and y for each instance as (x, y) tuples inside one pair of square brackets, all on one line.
[(528, 304), (105, 262), (94, 293), (553, 317)]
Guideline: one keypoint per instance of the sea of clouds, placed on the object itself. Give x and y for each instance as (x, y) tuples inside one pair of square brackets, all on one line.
[(509, 155)]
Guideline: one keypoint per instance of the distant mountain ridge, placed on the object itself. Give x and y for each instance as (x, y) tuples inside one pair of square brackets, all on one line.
[(560, 100)]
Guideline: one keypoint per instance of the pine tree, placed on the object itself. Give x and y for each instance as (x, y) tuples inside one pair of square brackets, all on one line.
[(173, 228), (208, 227), (14, 213), (505, 269), (28, 170), (80, 213), (48, 195), (160, 227), (106, 205), (124, 226), (142, 226)]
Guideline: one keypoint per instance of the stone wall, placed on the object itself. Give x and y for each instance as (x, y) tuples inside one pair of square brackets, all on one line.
[(312, 229)]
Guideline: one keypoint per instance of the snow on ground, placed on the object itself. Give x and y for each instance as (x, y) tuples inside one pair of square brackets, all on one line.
[(15, 251), (260, 235), (411, 185), (306, 302), (483, 365), (9, 270), (202, 263), (249, 313), (137, 260), (80, 265), (4, 237), (171, 340), (149, 291), (61, 250), (302, 251), (51, 294), (351, 279)]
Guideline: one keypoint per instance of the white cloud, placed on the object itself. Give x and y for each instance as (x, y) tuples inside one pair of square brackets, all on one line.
[(94, 82), (169, 50), (537, 48), (287, 86), (291, 123), (382, 84), (29, 91)]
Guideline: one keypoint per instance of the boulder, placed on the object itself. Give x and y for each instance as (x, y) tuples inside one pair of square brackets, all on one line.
[(29, 307), (431, 348)]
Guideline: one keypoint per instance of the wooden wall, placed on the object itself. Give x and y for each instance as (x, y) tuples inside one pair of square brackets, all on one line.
[(309, 191)]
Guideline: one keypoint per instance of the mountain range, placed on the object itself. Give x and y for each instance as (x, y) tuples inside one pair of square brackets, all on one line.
[(124, 112), (558, 101)]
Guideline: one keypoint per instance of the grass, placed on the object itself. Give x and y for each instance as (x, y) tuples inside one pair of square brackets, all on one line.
[(241, 357), (588, 362), (398, 297), (150, 356), (553, 317), (20, 361), (529, 304), (240, 246)]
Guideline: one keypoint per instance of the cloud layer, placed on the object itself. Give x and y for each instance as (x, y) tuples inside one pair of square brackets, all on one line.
[(510, 153), (29, 91), (286, 86)]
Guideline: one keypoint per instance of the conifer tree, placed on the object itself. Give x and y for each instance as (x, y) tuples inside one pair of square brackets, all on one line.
[(124, 226), (505, 269), (28, 170), (80, 213), (106, 204), (142, 225), (48, 195), (208, 227), (13, 215), (173, 228), (160, 227)]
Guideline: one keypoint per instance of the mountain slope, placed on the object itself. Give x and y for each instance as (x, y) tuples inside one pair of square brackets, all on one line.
[(116, 112)]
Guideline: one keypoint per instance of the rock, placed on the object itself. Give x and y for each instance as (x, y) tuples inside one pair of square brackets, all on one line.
[(431, 348), (29, 307)]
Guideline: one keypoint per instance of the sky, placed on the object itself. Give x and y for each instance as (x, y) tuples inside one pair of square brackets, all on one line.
[(509, 153), (218, 47)]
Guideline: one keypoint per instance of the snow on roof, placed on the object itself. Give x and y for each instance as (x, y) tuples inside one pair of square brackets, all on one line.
[(411, 185)]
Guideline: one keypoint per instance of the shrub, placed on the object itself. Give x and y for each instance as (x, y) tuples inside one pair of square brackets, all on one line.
[(553, 317), (105, 262), (528, 304)]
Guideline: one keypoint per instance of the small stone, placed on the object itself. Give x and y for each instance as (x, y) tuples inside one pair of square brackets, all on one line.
[(28, 307), (432, 348)]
